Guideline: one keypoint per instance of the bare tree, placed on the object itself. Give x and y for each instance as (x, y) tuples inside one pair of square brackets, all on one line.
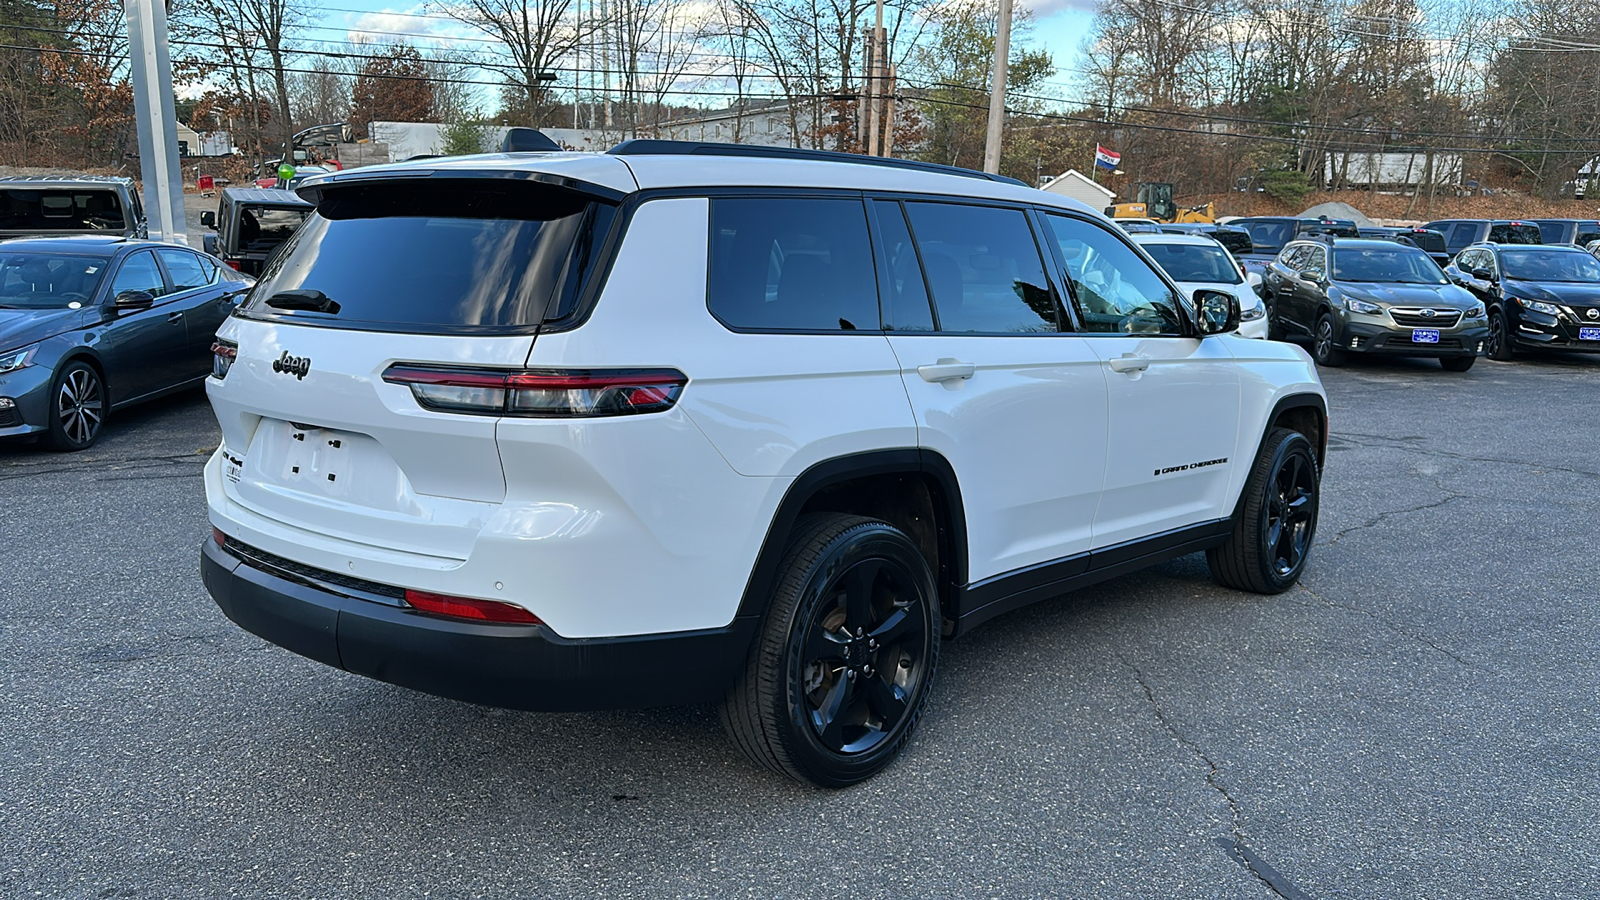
[(539, 34)]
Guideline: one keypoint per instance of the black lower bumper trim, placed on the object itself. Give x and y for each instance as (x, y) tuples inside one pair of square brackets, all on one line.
[(511, 666)]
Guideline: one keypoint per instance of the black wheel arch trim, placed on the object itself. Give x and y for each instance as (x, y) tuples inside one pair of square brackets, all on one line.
[(902, 461)]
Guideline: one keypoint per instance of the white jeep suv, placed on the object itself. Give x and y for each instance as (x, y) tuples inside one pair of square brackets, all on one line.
[(689, 423)]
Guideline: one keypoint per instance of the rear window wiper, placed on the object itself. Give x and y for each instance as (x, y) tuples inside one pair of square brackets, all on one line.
[(314, 301)]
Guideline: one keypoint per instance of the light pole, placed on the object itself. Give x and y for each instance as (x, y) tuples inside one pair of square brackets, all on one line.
[(157, 119)]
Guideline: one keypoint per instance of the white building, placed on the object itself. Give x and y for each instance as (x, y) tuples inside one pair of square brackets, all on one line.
[(1082, 188)]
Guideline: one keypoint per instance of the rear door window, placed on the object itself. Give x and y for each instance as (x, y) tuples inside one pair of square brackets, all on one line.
[(185, 268), (465, 257), (792, 264), (984, 269)]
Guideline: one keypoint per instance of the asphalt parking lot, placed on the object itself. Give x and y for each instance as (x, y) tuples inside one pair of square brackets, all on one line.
[(1418, 720)]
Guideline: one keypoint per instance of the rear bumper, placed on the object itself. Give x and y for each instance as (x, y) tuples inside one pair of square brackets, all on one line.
[(511, 666)]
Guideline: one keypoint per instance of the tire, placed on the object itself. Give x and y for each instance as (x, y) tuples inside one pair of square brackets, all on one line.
[(77, 408), (1276, 521), (1275, 331), (1323, 349), (1457, 363), (840, 574), (1500, 346)]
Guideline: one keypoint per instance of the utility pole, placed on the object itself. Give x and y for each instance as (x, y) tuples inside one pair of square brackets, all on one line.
[(157, 120), (997, 90), (875, 85)]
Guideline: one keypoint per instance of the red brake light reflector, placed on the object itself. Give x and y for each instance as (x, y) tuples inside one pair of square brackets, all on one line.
[(470, 609), (217, 536)]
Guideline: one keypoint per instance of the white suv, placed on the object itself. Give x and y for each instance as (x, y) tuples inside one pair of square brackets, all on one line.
[(688, 423)]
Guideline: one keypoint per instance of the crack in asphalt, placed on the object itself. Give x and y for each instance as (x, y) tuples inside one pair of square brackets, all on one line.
[(137, 463), (1387, 625), (1461, 457), (1387, 514), (1235, 846)]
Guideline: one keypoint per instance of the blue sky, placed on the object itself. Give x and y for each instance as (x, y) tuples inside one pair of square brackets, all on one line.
[(1059, 27)]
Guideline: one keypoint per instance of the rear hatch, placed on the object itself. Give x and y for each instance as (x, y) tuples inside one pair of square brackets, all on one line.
[(455, 270)]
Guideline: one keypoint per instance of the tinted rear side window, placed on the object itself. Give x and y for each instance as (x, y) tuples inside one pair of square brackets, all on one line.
[(459, 257), (792, 264)]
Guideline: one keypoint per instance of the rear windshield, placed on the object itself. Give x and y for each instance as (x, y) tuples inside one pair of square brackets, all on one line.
[(468, 256), (1520, 233), (1190, 262), (1431, 241), (60, 209), (262, 228), (1385, 266), (1269, 235), (48, 280), (1237, 240), (1335, 227), (1549, 265)]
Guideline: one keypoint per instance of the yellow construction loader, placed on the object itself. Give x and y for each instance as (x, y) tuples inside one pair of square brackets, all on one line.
[(1155, 202)]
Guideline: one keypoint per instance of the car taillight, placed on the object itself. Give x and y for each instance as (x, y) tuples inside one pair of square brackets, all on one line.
[(218, 537), (233, 264), (547, 393), (223, 353), (468, 608)]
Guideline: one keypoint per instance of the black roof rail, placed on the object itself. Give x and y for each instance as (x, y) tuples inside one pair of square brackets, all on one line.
[(656, 147)]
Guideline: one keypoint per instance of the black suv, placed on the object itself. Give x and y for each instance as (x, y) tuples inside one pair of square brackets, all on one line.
[(1371, 296), (1237, 240), (1429, 241), (251, 223), (51, 206), (1568, 231), (1459, 234), (1538, 297)]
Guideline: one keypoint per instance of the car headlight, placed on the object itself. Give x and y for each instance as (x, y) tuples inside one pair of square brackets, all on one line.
[(16, 359), (1363, 307), (1253, 313), (1549, 309), (1476, 312)]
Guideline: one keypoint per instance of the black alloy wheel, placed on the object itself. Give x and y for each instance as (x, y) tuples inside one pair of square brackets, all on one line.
[(838, 678), (1276, 520), (77, 407), (1499, 346), (1323, 348)]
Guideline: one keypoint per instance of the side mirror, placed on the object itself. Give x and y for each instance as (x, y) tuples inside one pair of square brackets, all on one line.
[(1218, 312), (208, 219), (1484, 274), (132, 301), (1314, 276)]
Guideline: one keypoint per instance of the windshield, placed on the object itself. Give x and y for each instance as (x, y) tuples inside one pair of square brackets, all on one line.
[(1385, 266), (60, 209), (472, 257), (1549, 265), (1191, 262), (1268, 235), (48, 281)]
